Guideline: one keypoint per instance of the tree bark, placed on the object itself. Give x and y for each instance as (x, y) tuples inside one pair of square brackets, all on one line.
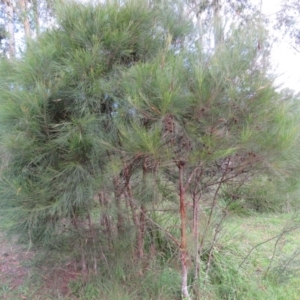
[(93, 236), (142, 227), (36, 17), (196, 235), (183, 247), (10, 27), (24, 18), (136, 221), (118, 193), (104, 217), (218, 31)]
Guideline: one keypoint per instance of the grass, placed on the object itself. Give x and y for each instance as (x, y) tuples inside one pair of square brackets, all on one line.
[(271, 271), (252, 231)]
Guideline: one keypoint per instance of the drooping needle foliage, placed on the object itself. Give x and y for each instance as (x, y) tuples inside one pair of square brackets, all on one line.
[(116, 113)]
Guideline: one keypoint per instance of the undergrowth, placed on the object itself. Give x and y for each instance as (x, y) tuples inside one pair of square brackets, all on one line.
[(271, 270)]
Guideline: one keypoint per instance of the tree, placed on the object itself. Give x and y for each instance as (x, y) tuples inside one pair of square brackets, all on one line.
[(72, 74), (212, 121), (24, 18), (216, 17), (10, 27), (111, 110), (288, 21)]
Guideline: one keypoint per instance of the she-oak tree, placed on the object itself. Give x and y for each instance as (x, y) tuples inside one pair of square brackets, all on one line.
[(117, 108)]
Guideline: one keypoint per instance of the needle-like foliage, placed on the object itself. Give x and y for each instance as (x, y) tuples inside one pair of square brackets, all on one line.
[(114, 112)]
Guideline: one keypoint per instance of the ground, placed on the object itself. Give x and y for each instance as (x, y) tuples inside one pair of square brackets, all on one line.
[(272, 267), (20, 279), (13, 271)]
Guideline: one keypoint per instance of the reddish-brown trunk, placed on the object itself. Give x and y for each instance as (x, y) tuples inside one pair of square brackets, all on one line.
[(195, 216), (183, 247), (93, 236), (196, 234), (118, 195), (104, 218), (128, 193), (142, 231), (136, 221)]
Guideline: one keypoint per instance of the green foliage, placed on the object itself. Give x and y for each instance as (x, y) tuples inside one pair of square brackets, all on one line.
[(58, 105), (98, 115)]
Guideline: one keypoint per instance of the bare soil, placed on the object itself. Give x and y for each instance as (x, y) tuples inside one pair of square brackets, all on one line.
[(12, 259), (16, 271)]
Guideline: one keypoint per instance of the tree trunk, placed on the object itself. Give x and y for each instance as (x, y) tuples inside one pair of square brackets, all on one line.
[(83, 260), (10, 27), (104, 217), (24, 18), (218, 30), (142, 226), (93, 237), (200, 7), (36, 17), (138, 216), (183, 247), (118, 194), (136, 221), (196, 234)]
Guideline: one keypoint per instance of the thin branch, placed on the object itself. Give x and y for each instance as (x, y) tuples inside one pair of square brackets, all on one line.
[(162, 229), (266, 241), (209, 220), (217, 231), (295, 254), (217, 192), (297, 50), (190, 178), (274, 251)]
